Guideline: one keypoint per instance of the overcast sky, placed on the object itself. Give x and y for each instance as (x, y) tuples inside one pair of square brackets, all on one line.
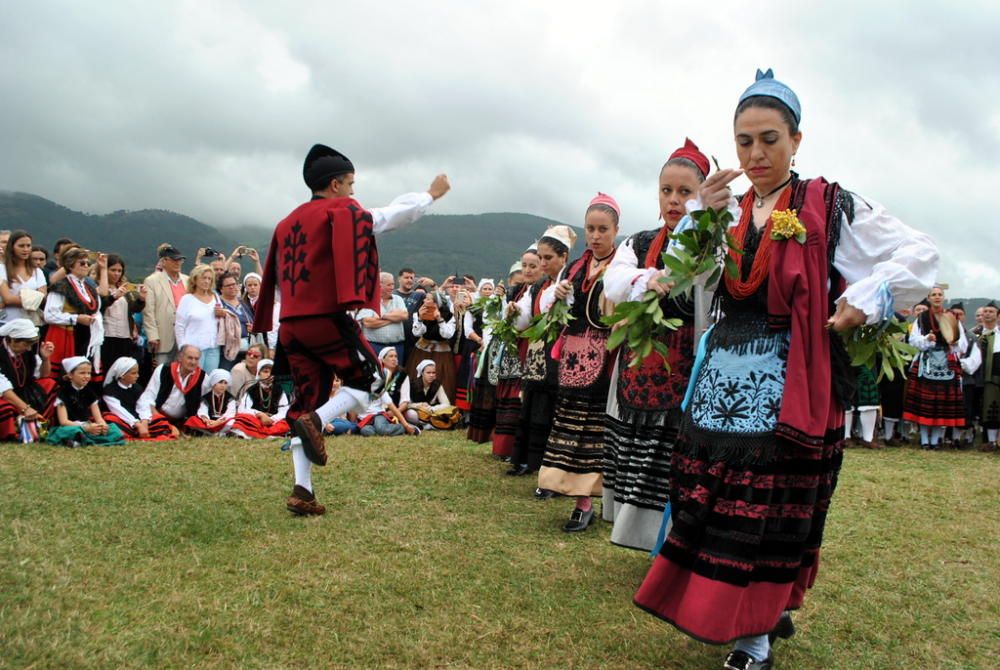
[(207, 108)]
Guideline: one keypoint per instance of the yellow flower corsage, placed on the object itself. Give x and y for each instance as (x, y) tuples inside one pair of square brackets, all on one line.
[(785, 225)]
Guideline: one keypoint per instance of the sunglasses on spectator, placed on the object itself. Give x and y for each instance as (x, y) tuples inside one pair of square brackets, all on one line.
[(253, 354)]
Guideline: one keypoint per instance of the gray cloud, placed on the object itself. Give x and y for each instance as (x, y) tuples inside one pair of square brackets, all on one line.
[(207, 107)]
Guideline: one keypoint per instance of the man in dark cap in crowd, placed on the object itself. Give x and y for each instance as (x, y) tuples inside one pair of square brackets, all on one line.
[(324, 261), (164, 291)]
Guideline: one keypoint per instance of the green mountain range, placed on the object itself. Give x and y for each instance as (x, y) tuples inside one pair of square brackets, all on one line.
[(483, 245)]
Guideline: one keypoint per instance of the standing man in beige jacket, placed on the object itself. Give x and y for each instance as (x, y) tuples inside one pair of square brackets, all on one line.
[(164, 291)]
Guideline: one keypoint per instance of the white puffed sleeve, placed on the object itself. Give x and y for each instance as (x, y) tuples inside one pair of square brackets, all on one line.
[(549, 298), (876, 249), (402, 211), (624, 279), (523, 318)]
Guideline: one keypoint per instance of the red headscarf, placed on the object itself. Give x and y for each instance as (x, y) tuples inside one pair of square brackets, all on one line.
[(690, 151)]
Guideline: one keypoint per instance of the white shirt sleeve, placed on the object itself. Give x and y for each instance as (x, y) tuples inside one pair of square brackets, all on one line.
[(5, 385), (181, 318), (971, 363), (418, 326), (523, 318), (402, 211), (148, 398), (918, 339), (468, 324), (282, 408), (404, 391), (54, 313), (877, 248), (625, 280), (549, 298), (441, 399), (447, 328), (116, 408)]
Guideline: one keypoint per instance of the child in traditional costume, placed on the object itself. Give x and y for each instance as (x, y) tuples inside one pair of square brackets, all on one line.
[(217, 411), (573, 461), (764, 424), (30, 393), (644, 402), (263, 407), (323, 260), (121, 397), (383, 419), (78, 414)]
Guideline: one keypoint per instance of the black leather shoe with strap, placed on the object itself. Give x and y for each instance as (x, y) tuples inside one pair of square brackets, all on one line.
[(740, 660)]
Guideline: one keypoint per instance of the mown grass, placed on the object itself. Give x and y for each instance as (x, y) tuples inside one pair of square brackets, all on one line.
[(182, 555)]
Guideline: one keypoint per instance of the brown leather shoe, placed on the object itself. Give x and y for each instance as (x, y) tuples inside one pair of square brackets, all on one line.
[(309, 429), (303, 503)]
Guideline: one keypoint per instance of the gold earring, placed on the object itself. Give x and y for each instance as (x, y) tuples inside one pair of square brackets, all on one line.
[(793, 160)]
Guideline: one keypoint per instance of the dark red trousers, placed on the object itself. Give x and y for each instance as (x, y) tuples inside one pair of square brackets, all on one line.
[(319, 347)]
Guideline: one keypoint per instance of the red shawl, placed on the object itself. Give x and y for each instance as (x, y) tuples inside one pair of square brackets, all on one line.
[(799, 297)]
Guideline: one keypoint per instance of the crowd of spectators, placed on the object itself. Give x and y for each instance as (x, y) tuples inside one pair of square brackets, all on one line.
[(92, 356)]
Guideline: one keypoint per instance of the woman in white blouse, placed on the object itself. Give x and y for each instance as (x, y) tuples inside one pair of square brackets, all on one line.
[(17, 274), (197, 317)]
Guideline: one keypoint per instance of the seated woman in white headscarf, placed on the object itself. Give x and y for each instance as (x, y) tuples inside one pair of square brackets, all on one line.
[(262, 409), (28, 391), (427, 401), (121, 397), (217, 411)]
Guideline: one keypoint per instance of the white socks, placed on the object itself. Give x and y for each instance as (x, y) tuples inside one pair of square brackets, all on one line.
[(302, 465), (888, 427), (991, 434), (848, 423), (868, 418), (345, 400), (757, 647)]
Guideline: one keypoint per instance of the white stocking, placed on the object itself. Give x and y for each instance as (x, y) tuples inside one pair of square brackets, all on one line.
[(302, 466), (868, 418)]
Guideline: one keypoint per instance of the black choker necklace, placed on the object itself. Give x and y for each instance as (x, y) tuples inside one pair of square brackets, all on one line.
[(601, 260), (759, 199)]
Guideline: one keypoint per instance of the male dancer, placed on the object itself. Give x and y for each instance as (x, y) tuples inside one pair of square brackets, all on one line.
[(324, 262)]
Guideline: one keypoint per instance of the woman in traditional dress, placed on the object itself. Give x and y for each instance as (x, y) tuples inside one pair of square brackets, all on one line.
[(434, 326), (120, 303), (198, 315), (121, 397), (251, 291), (261, 410), (22, 284), (29, 391), (759, 451), (643, 412), (573, 461), (482, 411), (989, 343), (463, 347), (934, 394), (426, 399), (509, 368), (72, 307), (538, 382)]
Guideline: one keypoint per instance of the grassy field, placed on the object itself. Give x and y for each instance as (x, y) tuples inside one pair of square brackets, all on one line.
[(183, 556)]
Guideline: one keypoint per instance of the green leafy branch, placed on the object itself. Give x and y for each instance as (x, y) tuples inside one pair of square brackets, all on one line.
[(882, 348), (641, 323), (695, 250), (547, 326), (501, 326)]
